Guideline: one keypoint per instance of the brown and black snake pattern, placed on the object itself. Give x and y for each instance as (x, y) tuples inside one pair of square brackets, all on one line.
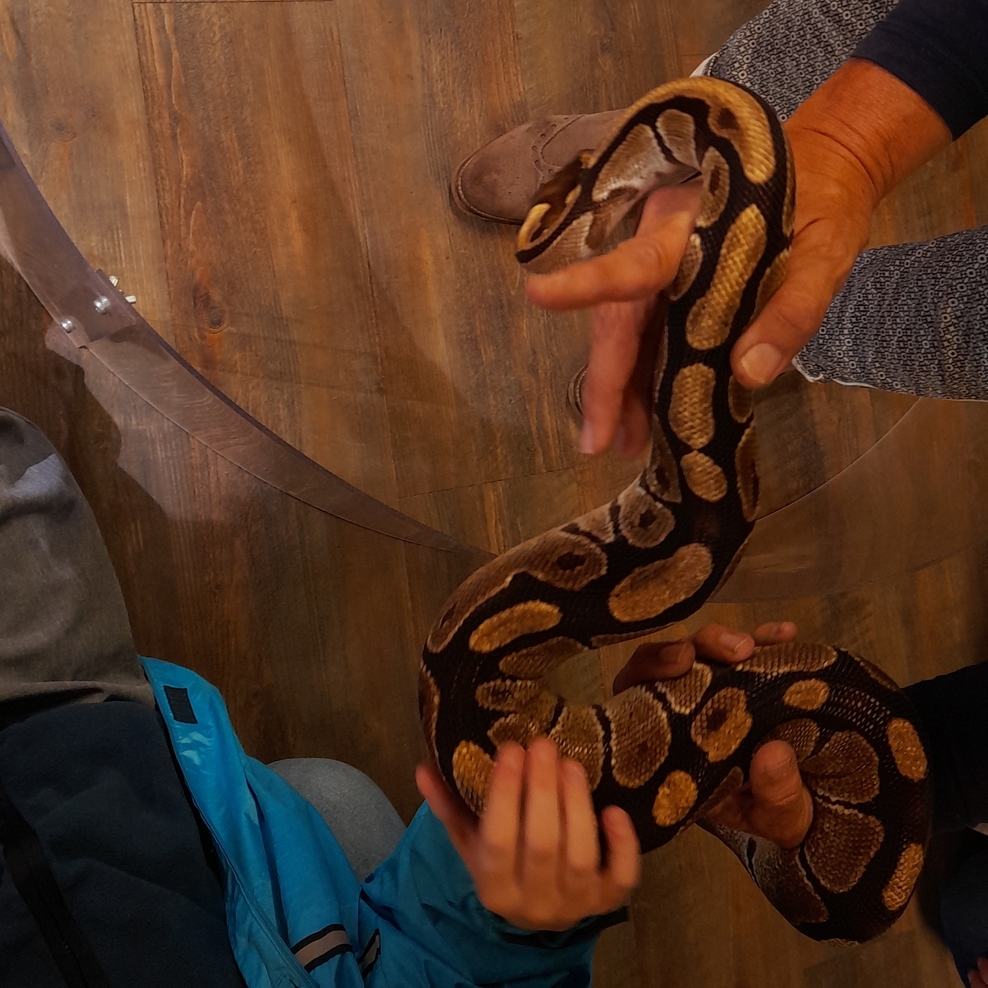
[(655, 553)]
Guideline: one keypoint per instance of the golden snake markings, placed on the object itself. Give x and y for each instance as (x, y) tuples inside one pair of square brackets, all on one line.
[(655, 553)]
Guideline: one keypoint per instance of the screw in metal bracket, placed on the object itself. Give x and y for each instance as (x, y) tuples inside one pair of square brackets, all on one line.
[(101, 304)]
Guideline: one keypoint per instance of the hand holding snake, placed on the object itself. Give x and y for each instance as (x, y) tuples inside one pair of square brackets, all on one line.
[(853, 141), (666, 751)]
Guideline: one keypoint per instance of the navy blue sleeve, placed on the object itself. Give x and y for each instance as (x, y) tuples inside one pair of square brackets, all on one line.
[(939, 49), (953, 710)]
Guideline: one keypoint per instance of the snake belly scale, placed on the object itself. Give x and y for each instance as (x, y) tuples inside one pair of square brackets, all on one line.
[(654, 554)]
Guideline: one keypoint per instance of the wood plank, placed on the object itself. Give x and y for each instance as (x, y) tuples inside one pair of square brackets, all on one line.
[(70, 97), (270, 292), (458, 343), (389, 337), (310, 627), (701, 28), (938, 198), (585, 56), (976, 146)]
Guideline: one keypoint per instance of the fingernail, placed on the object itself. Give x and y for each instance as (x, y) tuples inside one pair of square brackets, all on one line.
[(733, 643), (780, 770), (586, 439), (673, 652), (574, 770), (762, 362)]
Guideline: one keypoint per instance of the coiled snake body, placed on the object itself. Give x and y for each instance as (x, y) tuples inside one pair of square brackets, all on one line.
[(655, 553)]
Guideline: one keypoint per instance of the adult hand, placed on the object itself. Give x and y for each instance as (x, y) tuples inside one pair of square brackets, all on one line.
[(534, 854), (774, 803), (859, 135)]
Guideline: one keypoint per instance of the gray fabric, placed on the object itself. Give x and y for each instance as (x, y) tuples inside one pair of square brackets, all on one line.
[(912, 317), (789, 49), (362, 819), (64, 631)]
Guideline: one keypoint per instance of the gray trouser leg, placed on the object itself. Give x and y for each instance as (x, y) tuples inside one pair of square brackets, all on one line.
[(912, 317), (362, 819), (64, 632)]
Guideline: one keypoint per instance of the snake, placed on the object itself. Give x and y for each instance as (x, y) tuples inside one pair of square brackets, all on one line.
[(668, 751)]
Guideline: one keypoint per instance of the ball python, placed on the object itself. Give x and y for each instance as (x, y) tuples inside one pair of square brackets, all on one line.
[(654, 554)]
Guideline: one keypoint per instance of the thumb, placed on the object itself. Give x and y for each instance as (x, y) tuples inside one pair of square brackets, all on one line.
[(819, 264), (783, 808)]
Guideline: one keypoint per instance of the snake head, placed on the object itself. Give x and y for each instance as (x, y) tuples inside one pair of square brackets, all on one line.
[(549, 210)]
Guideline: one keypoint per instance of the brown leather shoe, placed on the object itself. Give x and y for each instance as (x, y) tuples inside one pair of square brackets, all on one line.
[(499, 181)]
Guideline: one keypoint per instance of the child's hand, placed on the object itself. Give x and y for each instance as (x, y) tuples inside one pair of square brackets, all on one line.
[(534, 854)]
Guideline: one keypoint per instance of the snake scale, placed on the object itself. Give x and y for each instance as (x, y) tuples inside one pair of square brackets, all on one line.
[(654, 554)]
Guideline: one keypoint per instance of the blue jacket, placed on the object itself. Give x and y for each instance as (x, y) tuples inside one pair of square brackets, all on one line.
[(298, 917)]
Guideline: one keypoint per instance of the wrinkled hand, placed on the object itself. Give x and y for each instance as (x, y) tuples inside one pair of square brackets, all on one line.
[(534, 854), (853, 140), (774, 803)]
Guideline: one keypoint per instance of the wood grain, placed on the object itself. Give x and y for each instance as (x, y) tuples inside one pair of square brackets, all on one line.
[(70, 97), (270, 291), (289, 611), (271, 179)]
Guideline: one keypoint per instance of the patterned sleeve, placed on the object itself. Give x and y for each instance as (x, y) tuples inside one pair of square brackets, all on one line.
[(939, 48)]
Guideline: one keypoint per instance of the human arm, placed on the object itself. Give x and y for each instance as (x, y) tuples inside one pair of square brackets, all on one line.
[(853, 140)]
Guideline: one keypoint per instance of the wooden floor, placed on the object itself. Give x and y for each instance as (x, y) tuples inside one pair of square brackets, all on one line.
[(270, 178)]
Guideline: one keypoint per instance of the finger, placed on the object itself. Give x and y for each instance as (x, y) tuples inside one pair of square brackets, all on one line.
[(635, 424), (634, 270), (791, 317), (634, 429), (979, 978), (774, 632), (582, 844), (666, 202), (623, 859), (500, 823), (653, 661), (614, 343), (714, 641), (541, 831), (459, 822), (782, 808)]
